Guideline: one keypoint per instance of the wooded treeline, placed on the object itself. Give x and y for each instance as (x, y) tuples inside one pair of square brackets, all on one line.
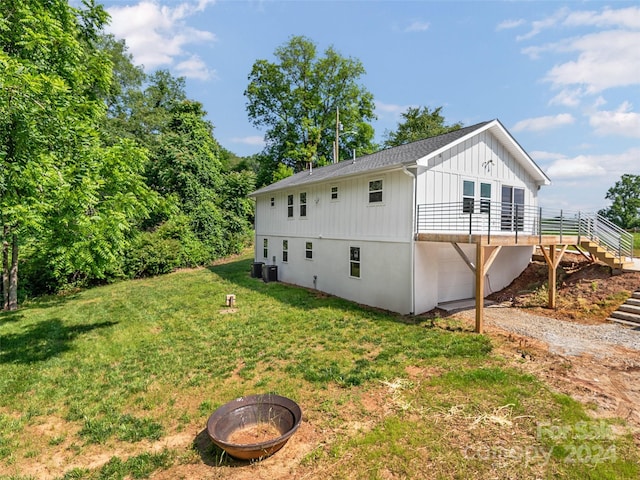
[(106, 172)]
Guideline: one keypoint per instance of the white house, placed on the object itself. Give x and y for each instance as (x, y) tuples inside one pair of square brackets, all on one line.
[(402, 229)]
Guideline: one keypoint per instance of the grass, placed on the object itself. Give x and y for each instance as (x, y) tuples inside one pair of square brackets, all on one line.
[(636, 245), (125, 367)]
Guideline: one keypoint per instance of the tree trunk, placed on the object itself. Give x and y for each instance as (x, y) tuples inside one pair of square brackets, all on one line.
[(5, 269), (13, 274)]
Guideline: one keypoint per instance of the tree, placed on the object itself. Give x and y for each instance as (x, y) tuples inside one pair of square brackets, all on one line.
[(419, 123), (55, 175), (625, 207), (298, 98)]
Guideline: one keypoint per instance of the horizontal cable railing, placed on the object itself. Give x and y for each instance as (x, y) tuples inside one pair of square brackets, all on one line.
[(488, 218)]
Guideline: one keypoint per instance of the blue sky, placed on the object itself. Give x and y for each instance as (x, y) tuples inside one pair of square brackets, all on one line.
[(563, 77)]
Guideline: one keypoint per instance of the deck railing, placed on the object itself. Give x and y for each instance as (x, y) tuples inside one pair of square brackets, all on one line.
[(488, 218)]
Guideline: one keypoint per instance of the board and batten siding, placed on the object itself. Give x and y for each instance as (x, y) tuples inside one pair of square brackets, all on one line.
[(350, 216), (383, 232), (469, 160)]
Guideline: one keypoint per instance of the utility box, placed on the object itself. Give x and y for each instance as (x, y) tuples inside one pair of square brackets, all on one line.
[(256, 269), (270, 273)]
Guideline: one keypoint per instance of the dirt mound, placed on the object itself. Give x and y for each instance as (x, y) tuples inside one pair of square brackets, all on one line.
[(586, 292)]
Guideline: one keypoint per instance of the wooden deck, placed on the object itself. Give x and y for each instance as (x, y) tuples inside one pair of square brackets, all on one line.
[(552, 247), (510, 239)]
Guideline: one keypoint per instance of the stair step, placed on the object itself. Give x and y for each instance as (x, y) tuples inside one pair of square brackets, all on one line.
[(635, 295), (629, 317), (624, 322), (633, 301), (629, 309)]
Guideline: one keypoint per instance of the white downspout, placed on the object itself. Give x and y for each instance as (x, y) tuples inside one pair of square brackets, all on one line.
[(414, 195)]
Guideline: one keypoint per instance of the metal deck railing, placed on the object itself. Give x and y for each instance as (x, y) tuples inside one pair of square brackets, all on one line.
[(488, 218)]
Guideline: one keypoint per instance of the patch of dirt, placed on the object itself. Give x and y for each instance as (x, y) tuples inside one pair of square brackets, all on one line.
[(586, 292), (604, 371)]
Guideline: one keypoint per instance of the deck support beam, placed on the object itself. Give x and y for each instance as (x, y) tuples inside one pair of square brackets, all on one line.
[(553, 258), (484, 258)]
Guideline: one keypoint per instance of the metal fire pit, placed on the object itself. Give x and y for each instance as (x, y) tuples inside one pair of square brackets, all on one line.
[(279, 412)]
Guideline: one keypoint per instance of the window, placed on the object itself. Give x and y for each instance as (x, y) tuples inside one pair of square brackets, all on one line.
[(273, 201), (485, 197), (289, 206), (512, 210), (354, 262), (375, 191), (308, 253), (285, 250), (468, 196), (303, 204), (265, 248), (334, 193)]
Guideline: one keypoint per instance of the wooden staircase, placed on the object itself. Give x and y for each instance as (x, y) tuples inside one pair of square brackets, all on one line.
[(597, 251), (629, 312)]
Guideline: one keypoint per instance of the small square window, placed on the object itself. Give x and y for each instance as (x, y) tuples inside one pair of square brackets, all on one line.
[(354, 262), (375, 191), (334, 193), (308, 250), (289, 206)]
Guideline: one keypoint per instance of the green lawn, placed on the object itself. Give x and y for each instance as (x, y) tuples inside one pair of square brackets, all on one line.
[(636, 245), (119, 370)]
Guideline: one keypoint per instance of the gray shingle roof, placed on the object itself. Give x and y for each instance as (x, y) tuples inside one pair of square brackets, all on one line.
[(406, 154)]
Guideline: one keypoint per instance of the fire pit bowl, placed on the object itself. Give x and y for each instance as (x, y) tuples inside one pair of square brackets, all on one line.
[(255, 426)]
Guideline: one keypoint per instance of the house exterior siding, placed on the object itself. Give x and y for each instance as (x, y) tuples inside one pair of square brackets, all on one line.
[(442, 181), (323, 215), (350, 216)]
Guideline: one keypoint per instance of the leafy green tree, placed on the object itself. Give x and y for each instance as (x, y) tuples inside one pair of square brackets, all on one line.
[(55, 176), (624, 210), (188, 166), (298, 99), (418, 123)]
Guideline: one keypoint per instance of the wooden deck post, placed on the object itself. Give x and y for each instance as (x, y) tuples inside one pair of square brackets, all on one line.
[(479, 288), (552, 277), (553, 260)]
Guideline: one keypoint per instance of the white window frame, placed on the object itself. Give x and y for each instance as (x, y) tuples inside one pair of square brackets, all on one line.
[(334, 190), (378, 191), (285, 250), (302, 196), (355, 261), (308, 250), (265, 247), (290, 206)]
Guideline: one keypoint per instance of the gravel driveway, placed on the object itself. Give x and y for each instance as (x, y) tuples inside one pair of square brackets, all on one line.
[(563, 337)]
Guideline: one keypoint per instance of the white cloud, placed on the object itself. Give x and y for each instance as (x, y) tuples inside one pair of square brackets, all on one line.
[(194, 67), (543, 123), (621, 121), (604, 54), (253, 140), (568, 97), (606, 59), (157, 34), (610, 166), (417, 26), (624, 17), (540, 25), (509, 24), (542, 156), (391, 109)]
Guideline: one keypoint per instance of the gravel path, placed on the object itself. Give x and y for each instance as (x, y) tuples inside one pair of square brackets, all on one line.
[(563, 337)]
